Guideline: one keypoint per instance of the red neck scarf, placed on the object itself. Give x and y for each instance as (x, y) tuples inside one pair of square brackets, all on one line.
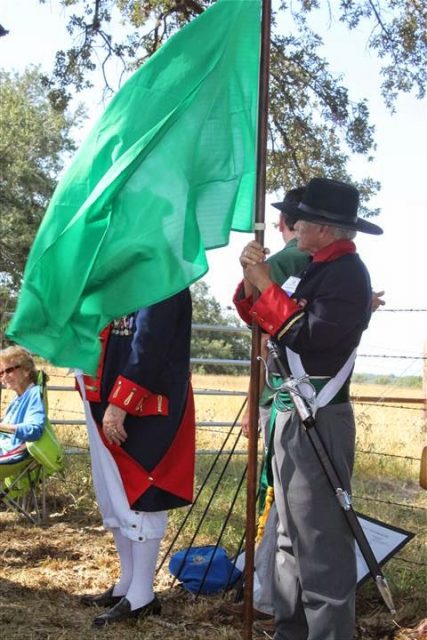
[(334, 250)]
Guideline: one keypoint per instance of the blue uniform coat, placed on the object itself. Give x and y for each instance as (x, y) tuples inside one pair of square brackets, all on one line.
[(145, 369)]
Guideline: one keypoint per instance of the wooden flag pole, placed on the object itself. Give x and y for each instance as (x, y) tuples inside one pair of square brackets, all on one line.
[(256, 331)]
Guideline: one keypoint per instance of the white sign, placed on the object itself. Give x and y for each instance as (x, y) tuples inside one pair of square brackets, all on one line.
[(384, 539)]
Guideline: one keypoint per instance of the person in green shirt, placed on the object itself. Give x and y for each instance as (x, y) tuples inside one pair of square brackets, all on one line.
[(284, 264), (290, 260)]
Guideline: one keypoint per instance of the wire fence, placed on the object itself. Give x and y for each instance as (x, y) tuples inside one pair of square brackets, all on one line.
[(402, 414)]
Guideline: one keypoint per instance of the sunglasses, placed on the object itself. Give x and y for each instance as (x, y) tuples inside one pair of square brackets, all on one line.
[(9, 369)]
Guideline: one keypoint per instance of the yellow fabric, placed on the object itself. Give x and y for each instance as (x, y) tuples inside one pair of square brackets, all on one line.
[(269, 499)]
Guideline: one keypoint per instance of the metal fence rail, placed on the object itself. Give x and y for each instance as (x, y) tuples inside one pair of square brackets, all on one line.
[(383, 401)]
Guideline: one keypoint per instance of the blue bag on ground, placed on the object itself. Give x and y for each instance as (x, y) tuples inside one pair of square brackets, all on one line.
[(190, 565)]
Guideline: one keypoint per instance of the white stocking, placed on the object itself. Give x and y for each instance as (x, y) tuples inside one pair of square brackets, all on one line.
[(124, 549), (144, 558)]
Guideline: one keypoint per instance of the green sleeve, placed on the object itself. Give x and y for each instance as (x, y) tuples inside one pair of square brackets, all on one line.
[(288, 262)]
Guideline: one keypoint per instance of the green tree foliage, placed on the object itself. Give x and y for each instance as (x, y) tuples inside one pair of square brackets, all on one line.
[(399, 37), (314, 124), (390, 380), (33, 140), (213, 343)]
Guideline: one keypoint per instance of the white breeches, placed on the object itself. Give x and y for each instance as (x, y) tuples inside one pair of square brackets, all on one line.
[(138, 526)]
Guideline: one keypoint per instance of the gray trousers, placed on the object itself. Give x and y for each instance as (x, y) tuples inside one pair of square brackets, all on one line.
[(264, 565), (315, 573), (264, 552)]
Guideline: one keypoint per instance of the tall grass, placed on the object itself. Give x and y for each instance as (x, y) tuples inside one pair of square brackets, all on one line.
[(389, 444)]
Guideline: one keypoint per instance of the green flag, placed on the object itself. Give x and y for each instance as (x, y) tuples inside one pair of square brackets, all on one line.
[(166, 173)]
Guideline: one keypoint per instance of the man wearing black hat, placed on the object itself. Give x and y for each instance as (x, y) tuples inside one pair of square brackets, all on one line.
[(289, 260), (318, 323)]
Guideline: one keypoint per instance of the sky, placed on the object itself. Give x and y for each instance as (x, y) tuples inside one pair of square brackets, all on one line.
[(396, 260)]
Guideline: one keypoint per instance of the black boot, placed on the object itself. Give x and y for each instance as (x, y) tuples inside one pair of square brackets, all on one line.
[(105, 599), (122, 611)]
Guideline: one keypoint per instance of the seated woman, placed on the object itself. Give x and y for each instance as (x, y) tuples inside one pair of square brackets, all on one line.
[(25, 416)]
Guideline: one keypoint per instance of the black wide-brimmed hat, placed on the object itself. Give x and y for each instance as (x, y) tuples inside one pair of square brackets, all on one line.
[(290, 202), (335, 203)]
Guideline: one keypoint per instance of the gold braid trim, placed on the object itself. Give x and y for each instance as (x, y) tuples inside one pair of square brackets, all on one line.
[(269, 499), (289, 324)]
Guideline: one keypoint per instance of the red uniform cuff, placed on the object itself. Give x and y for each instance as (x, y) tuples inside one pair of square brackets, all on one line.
[(137, 400), (243, 305), (275, 311)]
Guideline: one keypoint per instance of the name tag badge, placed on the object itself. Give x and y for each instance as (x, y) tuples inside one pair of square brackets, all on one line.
[(290, 285)]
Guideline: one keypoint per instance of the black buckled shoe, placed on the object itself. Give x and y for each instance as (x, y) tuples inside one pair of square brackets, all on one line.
[(105, 599), (122, 611)]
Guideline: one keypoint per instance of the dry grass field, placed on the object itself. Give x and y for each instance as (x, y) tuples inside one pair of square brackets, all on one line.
[(384, 428), (45, 568)]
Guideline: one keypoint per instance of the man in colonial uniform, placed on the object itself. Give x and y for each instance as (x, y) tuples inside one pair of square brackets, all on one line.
[(140, 416), (317, 320)]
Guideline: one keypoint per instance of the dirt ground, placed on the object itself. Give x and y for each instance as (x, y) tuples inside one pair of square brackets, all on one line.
[(45, 569)]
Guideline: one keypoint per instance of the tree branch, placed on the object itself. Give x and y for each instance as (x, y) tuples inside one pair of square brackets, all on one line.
[(379, 20)]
